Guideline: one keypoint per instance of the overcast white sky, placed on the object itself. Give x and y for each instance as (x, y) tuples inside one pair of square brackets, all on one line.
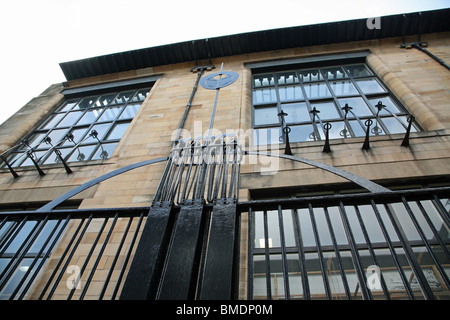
[(35, 36)]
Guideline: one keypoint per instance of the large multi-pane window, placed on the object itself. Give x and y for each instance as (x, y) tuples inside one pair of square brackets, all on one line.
[(345, 96), (86, 128)]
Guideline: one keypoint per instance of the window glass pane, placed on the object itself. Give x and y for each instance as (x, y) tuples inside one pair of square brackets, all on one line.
[(68, 105), (263, 80), (82, 153), (90, 116), (310, 75), (104, 100), (37, 155), (317, 90), (290, 93), (85, 103), (297, 112), (104, 151), (327, 110), (36, 138), (264, 96), (357, 128), (266, 136), (370, 86), (394, 126), (110, 114), (343, 88), (287, 78), (118, 131), (70, 119), (55, 136), (360, 130), (15, 159), (266, 116), (333, 73), (123, 97), (130, 111), (337, 130), (141, 95), (358, 70), (101, 132), (386, 101), (359, 107), (303, 133), (78, 134), (53, 158), (53, 121)]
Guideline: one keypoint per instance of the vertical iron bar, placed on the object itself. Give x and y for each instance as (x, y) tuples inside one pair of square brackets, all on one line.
[(25, 246), (88, 257), (433, 229), (116, 257), (301, 256), (415, 266), (319, 252), (283, 255), (180, 274), (217, 277), (356, 259), (392, 250), (127, 258), (59, 263), (72, 252), (338, 255), (442, 211), (30, 268), (267, 256), (17, 228), (99, 256), (427, 244), (250, 244), (371, 251), (46, 256)]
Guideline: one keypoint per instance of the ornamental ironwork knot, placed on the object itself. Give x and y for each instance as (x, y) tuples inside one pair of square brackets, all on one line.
[(219, 80)]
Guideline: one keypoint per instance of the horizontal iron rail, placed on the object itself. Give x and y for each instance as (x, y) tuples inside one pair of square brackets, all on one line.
[(353, 199)]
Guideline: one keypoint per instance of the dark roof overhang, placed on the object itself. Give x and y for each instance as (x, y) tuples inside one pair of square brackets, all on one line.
[(276, 39)]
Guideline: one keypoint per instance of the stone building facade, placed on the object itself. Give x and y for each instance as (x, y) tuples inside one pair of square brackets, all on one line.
[(417, 83)]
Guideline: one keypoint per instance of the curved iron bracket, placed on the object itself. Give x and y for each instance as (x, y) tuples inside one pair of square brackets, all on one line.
[(363, 182), (51, 205)]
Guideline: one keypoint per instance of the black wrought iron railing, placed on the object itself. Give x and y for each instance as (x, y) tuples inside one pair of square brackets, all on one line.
[(363, 246), (391, 245)]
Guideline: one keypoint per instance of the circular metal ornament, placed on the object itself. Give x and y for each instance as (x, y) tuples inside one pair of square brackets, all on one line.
[(219, 80)]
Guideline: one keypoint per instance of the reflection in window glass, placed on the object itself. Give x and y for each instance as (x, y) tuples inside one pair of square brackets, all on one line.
[(266, 116), (297, 112), (90, 116), (343, 88), (327, 110), (70, 119), (370, 86), (290, 93), (104, 151), (317, 90), (358, 70), (118, 131), (110, 114), (334, 73), (82, 153), (130, 111)]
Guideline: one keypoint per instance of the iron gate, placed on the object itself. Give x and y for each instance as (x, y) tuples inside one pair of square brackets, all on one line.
[(307, 248)]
